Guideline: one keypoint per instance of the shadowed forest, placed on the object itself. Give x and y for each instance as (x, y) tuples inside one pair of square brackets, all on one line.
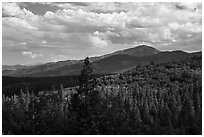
[(151, 99)]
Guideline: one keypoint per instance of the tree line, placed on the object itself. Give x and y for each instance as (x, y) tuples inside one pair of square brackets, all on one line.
[(152, 99)]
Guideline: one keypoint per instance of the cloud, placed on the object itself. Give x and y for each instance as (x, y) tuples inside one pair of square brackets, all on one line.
[(188, 6), (39, 8), (55, 58), (98, 42), (83, 29), (13, 9), (188, 27), (31, 55), (18, 23), (143, 22)]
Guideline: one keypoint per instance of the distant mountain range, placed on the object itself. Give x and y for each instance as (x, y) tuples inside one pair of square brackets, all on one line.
[(118, 61)]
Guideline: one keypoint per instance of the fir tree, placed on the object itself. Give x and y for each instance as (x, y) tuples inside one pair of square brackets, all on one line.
[(85, 76), (60, 93)]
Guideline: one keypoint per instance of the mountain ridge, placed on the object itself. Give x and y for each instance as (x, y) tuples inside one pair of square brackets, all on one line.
[(110, 63)]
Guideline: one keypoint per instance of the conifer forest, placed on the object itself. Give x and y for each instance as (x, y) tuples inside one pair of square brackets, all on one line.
[(150, 99)]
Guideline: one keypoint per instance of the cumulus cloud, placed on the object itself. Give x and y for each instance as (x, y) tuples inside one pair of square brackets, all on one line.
[(83, 29), (143, 22), (31, 55), (13, 9), (55, 58), (98, 42), (188, 27), (18, 23)]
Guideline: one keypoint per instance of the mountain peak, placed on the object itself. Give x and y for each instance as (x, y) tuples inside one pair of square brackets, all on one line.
[(139, 51), (144, 46)]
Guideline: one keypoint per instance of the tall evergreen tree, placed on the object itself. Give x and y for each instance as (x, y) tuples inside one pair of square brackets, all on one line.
[(84, 86), (60, 93), (85, 76)]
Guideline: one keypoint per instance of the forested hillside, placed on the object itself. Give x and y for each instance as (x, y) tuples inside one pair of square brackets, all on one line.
[(149, 99), (13, 85)]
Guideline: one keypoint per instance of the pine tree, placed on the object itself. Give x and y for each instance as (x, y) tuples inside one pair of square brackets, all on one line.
[(80, 101), (146, 118), (168, 115), (60, 93), (85, 76), (137, 114)]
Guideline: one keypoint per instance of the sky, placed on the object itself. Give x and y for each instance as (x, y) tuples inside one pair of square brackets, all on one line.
[(49, 32)]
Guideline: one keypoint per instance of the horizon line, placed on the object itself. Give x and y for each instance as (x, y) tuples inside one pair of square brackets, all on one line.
[(41, 63)]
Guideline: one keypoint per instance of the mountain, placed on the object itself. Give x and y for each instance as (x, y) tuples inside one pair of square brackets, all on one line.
[(119, 61), (138, 51), (29, 70), (15, 70), (13, 67)]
